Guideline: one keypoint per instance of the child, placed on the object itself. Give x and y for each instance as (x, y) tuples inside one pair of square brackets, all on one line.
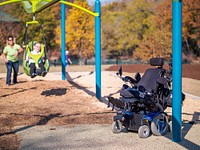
[(36, 50), (67, 59)]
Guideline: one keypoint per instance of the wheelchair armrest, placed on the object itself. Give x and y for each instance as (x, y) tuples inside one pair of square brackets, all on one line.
[(129, 79), (137, 77)]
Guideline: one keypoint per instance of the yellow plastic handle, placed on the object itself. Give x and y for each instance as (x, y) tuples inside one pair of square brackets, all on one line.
[(35, 57)]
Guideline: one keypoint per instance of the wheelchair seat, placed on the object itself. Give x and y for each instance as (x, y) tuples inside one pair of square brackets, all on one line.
[(148, 82)]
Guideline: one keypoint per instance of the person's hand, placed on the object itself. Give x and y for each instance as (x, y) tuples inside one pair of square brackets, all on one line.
[(43, 60), (16, 54), (70, 62), (5, 60), (27, 59)]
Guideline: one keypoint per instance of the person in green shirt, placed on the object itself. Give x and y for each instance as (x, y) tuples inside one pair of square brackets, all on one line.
[(10, 56)]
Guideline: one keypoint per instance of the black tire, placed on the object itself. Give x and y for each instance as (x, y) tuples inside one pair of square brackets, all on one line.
[(117, 126), (144, 131), (159, 124)]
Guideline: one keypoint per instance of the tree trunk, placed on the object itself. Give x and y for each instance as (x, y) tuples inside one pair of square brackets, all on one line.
[(188, 49), (80, 54)]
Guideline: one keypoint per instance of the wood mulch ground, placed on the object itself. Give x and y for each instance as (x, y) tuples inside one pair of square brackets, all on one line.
[(188, 70)]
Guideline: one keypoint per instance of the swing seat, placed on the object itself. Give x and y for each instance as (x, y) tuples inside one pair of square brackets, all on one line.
[(27, 52)]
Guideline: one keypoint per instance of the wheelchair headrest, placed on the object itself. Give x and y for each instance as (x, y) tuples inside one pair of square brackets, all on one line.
[(157, 62)]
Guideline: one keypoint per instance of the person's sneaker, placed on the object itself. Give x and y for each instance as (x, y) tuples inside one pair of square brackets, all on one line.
[(7, 84), (33, 75), (15, 82), (44, 73)]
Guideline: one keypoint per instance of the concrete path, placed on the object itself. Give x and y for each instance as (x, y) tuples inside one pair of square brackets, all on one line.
[(100, 137)]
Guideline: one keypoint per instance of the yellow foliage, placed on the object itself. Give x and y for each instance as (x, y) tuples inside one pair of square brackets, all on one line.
[(80, 31)]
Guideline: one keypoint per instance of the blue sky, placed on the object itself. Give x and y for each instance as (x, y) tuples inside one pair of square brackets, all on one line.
[(102, 1)]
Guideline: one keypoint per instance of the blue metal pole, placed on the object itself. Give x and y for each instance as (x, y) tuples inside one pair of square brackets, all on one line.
[(177, 70), (63, 39), (98, 48)]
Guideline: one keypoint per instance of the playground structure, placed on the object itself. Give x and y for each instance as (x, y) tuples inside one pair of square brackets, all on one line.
[(35, 6)]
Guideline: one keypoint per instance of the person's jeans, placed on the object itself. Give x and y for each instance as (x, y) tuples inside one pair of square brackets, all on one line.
[(33, 68), (9, 66)]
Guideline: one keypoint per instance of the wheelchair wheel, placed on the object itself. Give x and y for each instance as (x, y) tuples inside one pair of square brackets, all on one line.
[(144, 131), (170, 126), (159, 125), (117, 126)]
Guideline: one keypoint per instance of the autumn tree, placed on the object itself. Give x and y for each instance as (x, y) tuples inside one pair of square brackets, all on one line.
[(158, 41), (125, 25), (191, 27), (112, 17), (80, 32), (8, 26), (44, 17), (5, 28)]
